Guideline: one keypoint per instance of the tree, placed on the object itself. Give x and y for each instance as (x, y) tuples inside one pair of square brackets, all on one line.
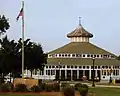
[(4, 24), (35, 58), (11, 56), (9, 53)]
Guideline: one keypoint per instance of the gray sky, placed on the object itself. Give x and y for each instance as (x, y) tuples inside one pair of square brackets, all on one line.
[(48, 21)]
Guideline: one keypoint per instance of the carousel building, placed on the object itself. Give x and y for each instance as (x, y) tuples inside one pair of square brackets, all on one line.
[(79, 58)]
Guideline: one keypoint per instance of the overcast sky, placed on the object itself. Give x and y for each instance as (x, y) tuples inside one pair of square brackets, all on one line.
[(48, 21)]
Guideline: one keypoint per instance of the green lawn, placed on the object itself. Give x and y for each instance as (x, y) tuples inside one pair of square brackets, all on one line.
[(105, 91)]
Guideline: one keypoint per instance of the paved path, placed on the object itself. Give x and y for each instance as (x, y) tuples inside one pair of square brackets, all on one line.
[(111, 86), (90, 85)]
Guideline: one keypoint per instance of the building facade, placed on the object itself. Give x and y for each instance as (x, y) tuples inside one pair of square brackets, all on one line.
[(76, 59)]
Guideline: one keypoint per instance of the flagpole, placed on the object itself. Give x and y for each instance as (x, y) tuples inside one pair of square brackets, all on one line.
[(23, 40)]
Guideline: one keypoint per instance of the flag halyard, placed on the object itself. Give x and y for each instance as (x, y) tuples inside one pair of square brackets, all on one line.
[(20, 14)]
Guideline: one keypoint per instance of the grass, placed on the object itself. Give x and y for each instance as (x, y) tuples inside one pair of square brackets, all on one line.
[(98, 91), (105, 91)]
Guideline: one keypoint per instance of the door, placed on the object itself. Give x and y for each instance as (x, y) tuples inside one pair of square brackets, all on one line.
[(69, 75)]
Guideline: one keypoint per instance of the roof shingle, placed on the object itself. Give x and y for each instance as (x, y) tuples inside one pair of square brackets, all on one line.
[(79, 32)]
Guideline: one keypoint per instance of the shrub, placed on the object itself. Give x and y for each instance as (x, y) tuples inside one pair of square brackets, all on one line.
[(5, 87), (42, 86), (69, 91), (56, 87), (77, 85), (35, 88), (64, 84), (83, 90), (20, 88), (84, 86), (48, 87)]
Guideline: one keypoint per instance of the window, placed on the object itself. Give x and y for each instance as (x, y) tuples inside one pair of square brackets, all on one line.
[(98, 56), (48, 72), (68, 66), (109, 67), (65, 55), (106, 67), (34, 72), (91, 67), (53, 66), (79, 66), (75, 66), (91, 55), (112, 56), (46, 66), (49, 66), (88, 55), (114, 72), (56, 66), (95, 67), (73, 55), (87, 67), (41, 72), (68, 55), (116, 67), (98, 67), (78, 55), (108, 72), (59, 55), (117, 72), (53, 55), (83, 67), (62, 55), (105, 56), (71, 66), (50, 55), (94, 55), (103, 67), (83, 55), (63, 66), (104, 72), (52, 72), (113, 67)]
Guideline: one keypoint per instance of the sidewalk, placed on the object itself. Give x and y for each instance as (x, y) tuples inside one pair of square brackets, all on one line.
[(114, 86)]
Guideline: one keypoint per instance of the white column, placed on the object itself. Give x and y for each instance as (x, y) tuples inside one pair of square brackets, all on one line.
[(89, 74), (44, 71), (71, 74), (65, 71), (83, 72), (77, 74), (60, 74)]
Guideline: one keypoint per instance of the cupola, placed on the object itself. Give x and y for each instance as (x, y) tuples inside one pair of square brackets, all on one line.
[(80, 34)]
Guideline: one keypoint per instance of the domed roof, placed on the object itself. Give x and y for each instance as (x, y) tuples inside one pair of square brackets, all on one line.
[(80, 32)]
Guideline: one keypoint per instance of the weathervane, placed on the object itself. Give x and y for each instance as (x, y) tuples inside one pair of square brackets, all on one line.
[(79, 20)]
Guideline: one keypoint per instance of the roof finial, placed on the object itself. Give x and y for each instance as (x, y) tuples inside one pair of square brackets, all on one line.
[(79, 20)]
